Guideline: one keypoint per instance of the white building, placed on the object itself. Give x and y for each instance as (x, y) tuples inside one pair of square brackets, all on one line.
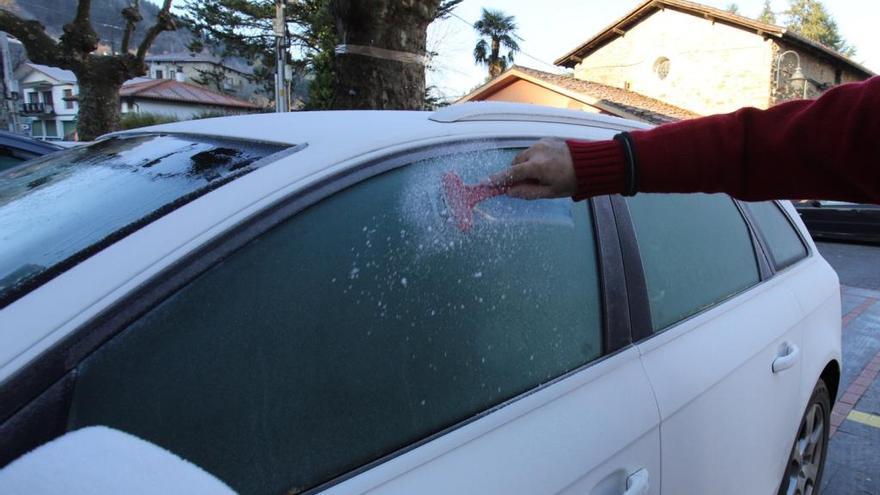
[(48, 101)]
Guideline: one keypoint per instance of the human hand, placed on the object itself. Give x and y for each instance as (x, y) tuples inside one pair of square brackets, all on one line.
[(545, 170)]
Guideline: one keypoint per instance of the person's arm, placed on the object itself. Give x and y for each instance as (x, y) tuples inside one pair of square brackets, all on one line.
[(827, 148)]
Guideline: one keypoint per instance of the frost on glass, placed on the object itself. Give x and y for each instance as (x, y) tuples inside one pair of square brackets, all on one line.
[(363, 324), (696, 251), (51, 209), (783, 242)]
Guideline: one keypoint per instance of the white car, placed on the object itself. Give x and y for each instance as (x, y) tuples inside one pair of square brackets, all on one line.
[(284, 301)]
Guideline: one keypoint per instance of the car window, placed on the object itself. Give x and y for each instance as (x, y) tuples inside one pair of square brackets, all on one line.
[(60, 207), (782, 241), (363, 324), (696, 251)]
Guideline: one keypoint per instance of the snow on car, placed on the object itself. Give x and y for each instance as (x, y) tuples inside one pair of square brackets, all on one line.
[(286, 302)]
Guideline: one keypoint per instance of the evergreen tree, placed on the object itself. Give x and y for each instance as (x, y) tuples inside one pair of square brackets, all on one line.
[(244, 28), (810, 19), (767, 16), (732, 8)]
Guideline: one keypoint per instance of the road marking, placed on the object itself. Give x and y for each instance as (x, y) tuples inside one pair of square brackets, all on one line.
[(864, 418), (858, 310)]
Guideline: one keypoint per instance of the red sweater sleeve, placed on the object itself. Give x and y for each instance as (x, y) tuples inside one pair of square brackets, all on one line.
[(827, 148)]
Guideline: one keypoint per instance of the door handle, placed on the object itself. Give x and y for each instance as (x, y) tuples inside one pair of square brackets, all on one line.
[(637, 483), (786, 358)]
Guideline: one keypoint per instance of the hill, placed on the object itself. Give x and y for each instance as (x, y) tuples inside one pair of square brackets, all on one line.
[(106, 19)]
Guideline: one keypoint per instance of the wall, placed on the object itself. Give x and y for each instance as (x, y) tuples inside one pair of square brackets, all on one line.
[(527, 92), (38, 82), (818, 70), (713, 67), (180, 111)]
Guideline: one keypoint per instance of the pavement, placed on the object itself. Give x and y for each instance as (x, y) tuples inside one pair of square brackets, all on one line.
[(853, 465)]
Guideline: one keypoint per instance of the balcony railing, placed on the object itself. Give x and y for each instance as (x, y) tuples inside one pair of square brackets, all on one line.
[(36, 108)]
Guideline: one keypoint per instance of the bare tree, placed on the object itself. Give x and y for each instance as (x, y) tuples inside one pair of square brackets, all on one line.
[(99, 76)]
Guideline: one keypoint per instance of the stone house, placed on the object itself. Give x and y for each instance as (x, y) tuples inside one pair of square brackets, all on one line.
[(679, 59), (47, 105), (706, 60)]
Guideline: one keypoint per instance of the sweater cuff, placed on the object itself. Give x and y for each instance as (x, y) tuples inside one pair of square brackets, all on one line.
[(598, 167)]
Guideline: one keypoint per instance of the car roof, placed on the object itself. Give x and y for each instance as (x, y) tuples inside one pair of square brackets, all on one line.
[(366, 128), (26, 143)]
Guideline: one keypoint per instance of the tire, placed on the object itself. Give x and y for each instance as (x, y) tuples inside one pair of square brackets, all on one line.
[(803, 471)]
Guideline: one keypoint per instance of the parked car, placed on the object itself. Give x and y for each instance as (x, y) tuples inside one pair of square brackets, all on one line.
[(16, 148), (840, 220), (284, 301)]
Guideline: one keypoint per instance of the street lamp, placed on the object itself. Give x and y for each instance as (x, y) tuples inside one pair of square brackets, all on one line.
[(798, 75)]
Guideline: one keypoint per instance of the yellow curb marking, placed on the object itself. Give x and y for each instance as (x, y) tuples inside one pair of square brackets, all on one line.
[(864, 418)]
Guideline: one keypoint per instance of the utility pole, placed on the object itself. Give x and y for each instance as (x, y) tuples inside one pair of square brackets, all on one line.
[(9, 90), (280, 56)]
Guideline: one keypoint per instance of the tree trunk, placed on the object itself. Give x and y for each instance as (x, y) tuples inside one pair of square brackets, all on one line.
[(378, 81), (98, 106), (99, 83)]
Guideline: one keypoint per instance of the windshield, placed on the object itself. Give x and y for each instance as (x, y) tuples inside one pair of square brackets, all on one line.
[(57, 210)]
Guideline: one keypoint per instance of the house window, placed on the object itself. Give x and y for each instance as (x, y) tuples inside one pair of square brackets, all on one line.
[(68, 102), (838, 76), (47, 97), (33, 97), (158, 74), (661, 67)]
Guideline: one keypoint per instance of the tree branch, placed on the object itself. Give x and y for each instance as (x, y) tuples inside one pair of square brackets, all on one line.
[(41, 48), (83, 8), (132, 16), (164, 22), (79, 38)]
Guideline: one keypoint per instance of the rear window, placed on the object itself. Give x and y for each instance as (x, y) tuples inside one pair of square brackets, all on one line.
[(56, 210)]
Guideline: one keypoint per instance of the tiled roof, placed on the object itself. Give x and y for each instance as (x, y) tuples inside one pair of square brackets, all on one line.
[(628, 103), (171, 90)]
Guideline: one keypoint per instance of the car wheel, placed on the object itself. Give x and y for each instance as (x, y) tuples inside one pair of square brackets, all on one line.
[(803, 473)]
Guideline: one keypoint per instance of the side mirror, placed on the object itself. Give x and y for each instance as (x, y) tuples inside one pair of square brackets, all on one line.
[(815, 203), (98, 460)]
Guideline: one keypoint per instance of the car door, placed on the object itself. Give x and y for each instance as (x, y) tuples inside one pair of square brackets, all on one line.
[(721, 348), (355, 340)]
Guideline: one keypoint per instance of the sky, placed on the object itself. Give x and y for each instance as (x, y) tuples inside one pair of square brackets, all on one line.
[(550, 28)]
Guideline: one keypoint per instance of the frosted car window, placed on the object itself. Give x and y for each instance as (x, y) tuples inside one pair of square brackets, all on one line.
[(359, 326), (56, 210), (783, 242), (696, 251)]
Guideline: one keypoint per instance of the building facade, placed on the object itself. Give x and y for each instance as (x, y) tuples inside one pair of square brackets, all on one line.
[(48, 101), (230, 76), (707, 60)]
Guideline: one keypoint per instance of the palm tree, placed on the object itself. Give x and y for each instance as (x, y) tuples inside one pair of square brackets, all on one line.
[(496, 30)]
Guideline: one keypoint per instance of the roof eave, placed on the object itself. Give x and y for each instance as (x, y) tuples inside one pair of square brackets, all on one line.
[(824, 50), (619, 27)]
